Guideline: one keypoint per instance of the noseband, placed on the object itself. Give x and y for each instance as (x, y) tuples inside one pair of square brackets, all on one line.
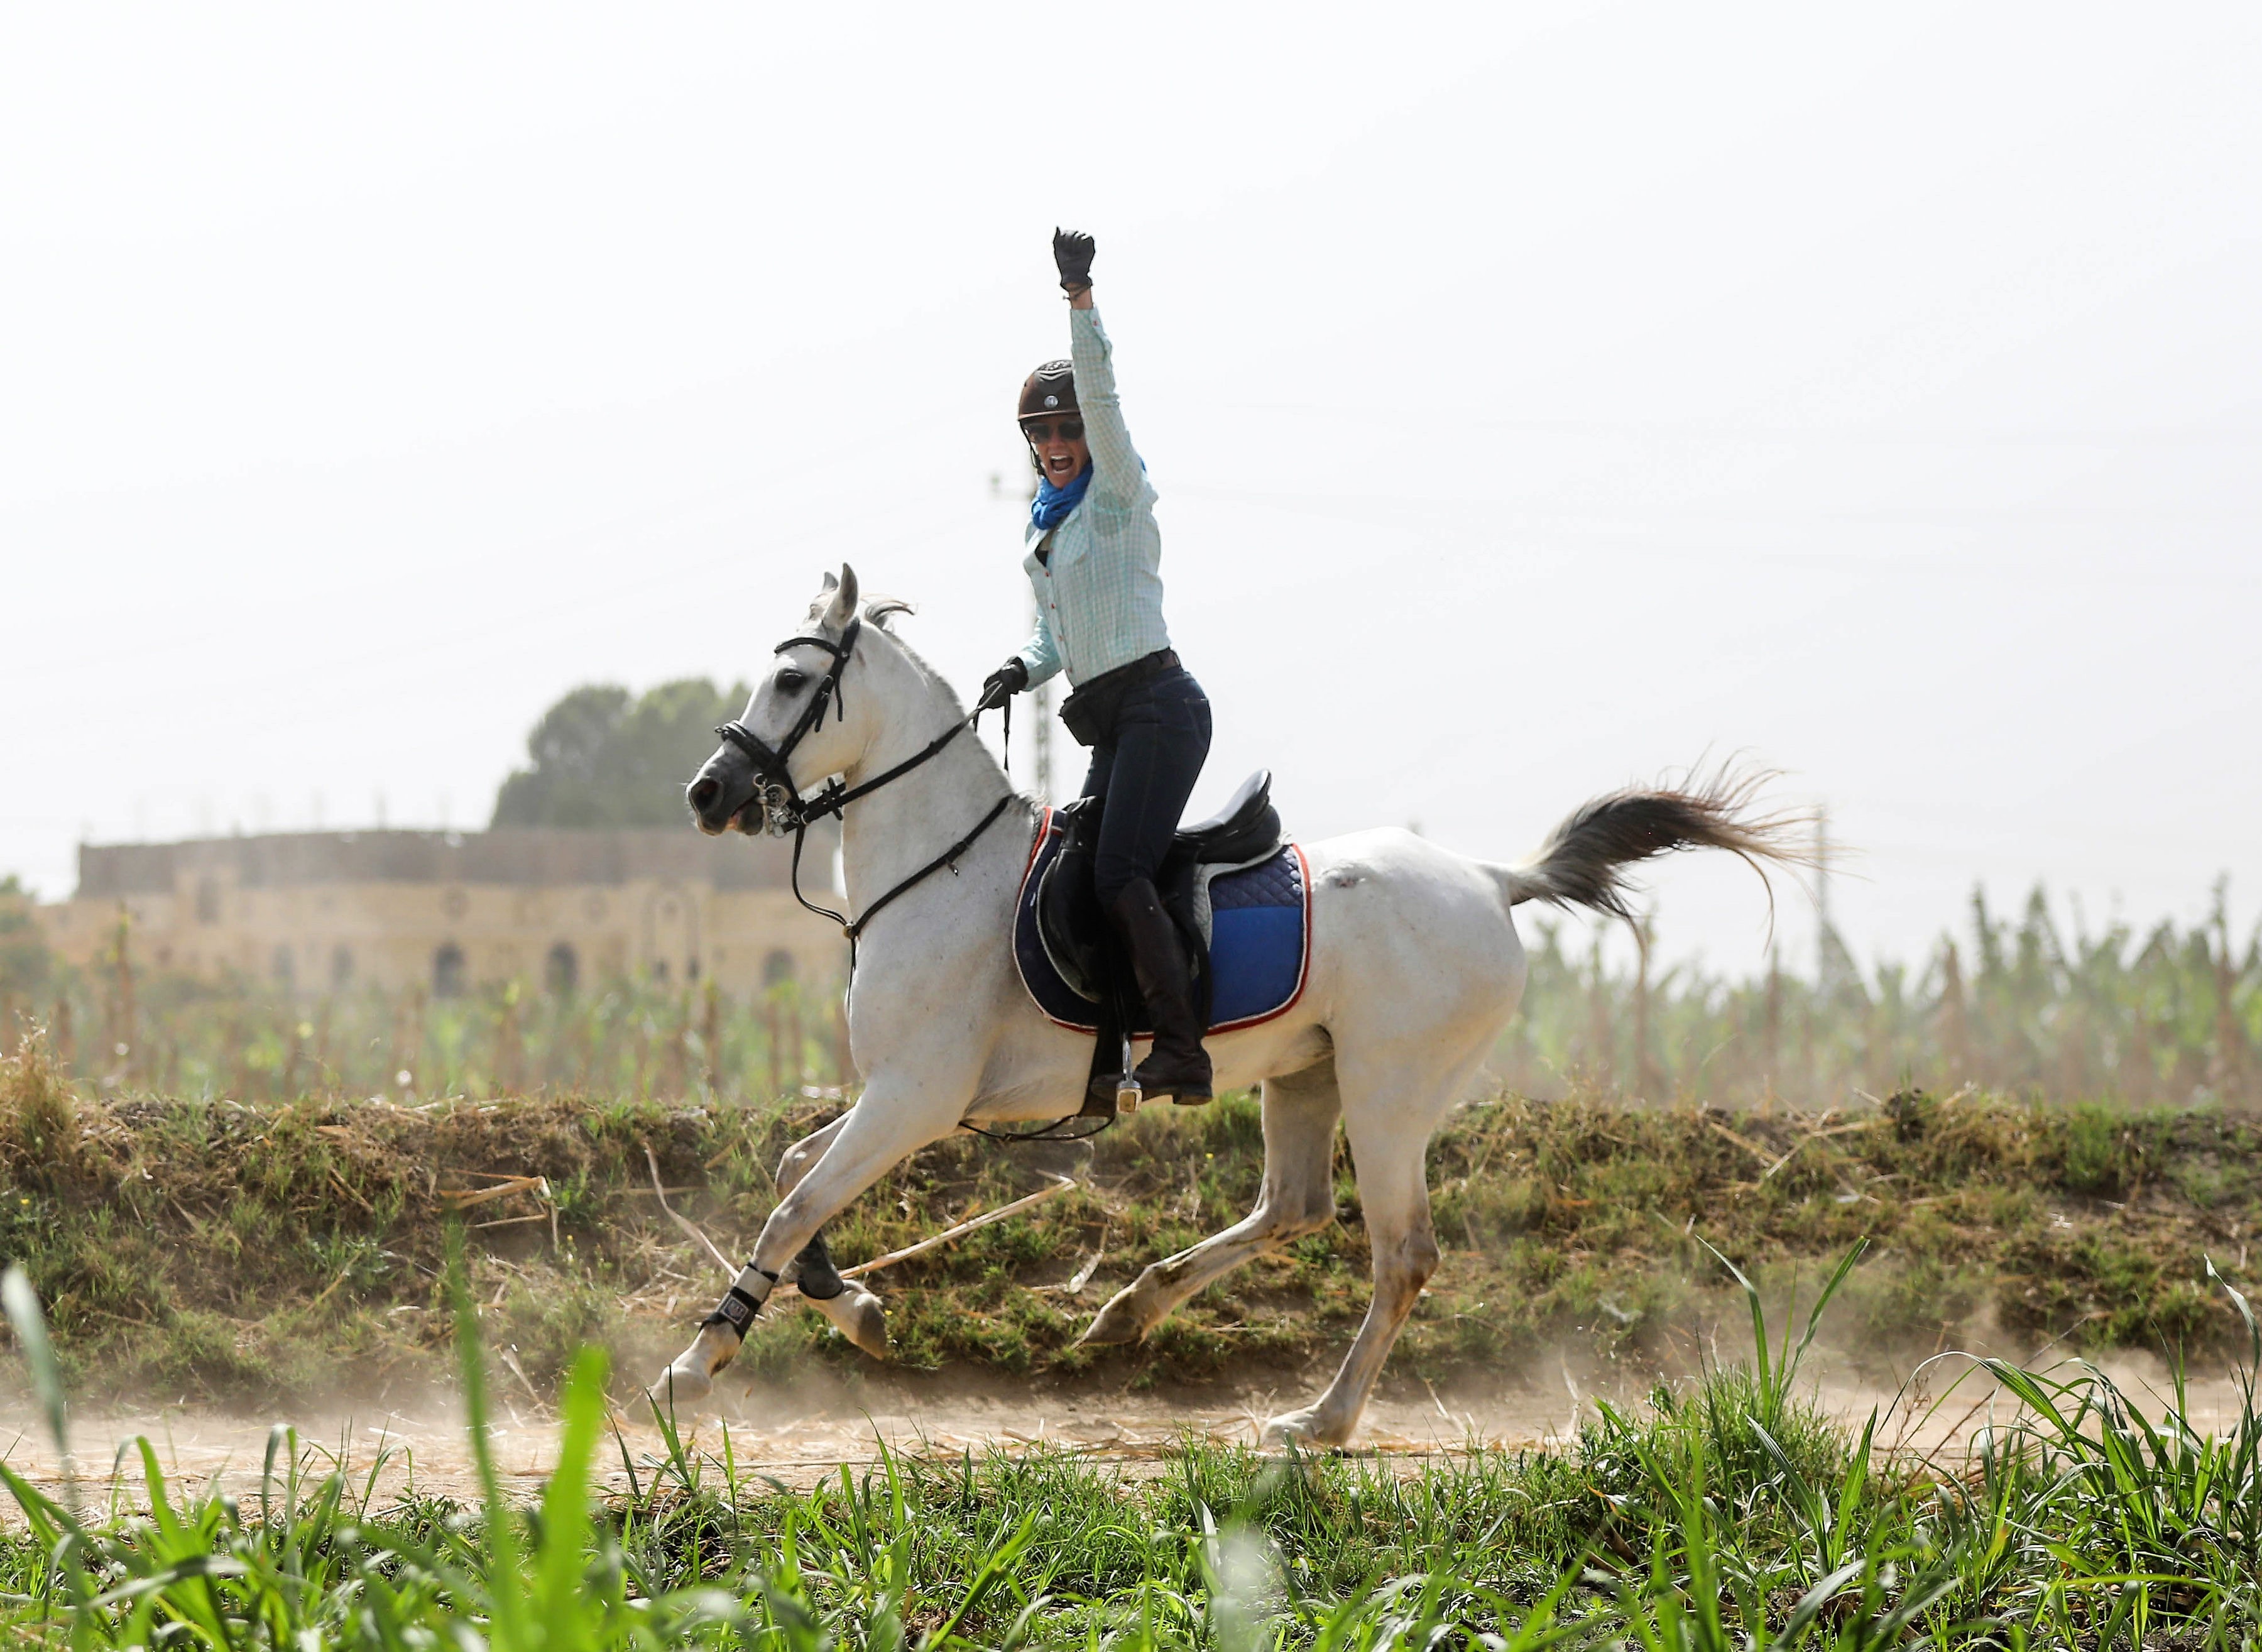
[(781, 799), (788, 811)]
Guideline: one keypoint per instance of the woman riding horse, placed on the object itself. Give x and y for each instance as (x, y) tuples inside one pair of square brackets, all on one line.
[(1093, 558)]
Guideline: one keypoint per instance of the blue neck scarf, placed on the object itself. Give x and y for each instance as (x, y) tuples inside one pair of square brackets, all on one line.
[(1052, 504)]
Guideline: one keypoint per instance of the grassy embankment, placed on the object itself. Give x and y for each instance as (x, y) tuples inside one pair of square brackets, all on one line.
[(1726, 1514), (272, 1252)]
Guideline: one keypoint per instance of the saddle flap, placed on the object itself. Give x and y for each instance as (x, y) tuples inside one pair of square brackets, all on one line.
[(1068, 919)]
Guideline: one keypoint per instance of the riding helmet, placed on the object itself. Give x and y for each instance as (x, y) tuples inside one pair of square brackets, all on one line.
[(1048, 392)]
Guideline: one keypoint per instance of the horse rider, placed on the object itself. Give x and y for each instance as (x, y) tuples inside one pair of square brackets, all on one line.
[(1093, 556)]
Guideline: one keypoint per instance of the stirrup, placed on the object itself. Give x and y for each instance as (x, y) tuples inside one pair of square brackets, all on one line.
[(1119, 1089), (1126, 1082)]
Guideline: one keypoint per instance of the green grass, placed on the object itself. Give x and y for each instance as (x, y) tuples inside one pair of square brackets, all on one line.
[(1726, 1513)]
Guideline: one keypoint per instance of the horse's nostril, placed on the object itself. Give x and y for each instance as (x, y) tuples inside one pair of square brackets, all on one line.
[(704, 790)]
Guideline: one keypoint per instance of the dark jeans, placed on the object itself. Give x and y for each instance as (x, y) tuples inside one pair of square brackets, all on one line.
[(1144, 768)]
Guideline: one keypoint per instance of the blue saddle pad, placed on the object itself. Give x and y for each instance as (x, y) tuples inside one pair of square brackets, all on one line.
[(1259, 950)]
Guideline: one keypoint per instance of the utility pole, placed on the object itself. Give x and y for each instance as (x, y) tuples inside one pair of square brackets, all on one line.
[(1041, 724), (1821, 896), (1040, 697), (1041, 703)]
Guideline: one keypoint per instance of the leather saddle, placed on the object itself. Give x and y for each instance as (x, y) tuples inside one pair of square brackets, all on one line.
[(1076, 932)]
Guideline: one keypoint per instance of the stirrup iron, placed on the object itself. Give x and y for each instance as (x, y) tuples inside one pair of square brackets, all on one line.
[(1127, 1083)]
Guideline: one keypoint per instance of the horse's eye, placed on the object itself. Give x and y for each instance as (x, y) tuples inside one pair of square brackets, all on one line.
[(790, 681)]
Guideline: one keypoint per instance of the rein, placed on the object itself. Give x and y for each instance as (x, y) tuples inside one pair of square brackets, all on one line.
[(789, 811)]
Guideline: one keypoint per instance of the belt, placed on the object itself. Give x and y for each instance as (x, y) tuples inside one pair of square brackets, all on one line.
[(1090, 712), (1140, 670)]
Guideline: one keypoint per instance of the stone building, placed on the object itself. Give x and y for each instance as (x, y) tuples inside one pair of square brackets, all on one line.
[(325, 911)]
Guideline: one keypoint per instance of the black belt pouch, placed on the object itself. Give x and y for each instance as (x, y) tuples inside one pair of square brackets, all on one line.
[(1090, 712)]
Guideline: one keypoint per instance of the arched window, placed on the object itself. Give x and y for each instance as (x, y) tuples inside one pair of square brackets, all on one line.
[(283, 967), (779, 966), (561, 972), (340, 967), (207, 900), (448, 971)]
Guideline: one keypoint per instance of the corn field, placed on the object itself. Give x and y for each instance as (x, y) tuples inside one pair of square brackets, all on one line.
[(636, 1037), (2172, 1016)]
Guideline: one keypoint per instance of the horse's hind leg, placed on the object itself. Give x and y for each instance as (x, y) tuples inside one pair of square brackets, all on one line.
[(1390, 1155), (855, 1312), (1298, 1198)]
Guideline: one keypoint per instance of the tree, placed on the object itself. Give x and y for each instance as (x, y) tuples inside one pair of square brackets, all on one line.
[(24, 961), (602, 757)]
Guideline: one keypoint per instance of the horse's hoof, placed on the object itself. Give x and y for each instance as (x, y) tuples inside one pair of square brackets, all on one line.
[(681, 1384), (859, 1316), (691, 1377), (1118, 1323), (1301, 1429)]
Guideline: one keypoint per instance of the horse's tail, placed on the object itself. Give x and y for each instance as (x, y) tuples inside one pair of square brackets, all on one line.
[(1582, 862)]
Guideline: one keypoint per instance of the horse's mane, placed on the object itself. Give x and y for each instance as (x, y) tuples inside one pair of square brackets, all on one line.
[(881, 609)]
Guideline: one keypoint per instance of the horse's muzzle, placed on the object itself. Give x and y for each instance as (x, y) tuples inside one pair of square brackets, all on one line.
[(720, 795)]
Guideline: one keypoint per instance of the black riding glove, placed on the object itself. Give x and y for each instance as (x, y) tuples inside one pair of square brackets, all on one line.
[(1004, 682), (1072, 251)]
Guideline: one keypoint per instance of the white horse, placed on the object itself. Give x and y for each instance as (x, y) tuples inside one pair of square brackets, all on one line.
[(1415, 970)]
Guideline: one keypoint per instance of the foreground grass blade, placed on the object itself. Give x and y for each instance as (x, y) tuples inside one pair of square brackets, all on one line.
[(30, 1324)]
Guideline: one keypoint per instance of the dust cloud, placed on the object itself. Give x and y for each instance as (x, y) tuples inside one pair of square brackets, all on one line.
[(804, 1431)]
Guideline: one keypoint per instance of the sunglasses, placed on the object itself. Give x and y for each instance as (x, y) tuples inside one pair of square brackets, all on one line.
[(1071, 431)]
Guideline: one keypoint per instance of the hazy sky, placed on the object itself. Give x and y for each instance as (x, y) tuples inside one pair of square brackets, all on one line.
[(1539, 397)]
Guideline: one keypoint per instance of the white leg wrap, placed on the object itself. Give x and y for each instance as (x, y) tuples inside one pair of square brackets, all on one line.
[(743, 1301)]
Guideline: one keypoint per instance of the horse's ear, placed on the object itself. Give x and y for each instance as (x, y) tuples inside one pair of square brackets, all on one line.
[(842, 609), (828, 581)]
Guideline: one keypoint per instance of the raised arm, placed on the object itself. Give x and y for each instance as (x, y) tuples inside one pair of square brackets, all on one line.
[(1115, 463)]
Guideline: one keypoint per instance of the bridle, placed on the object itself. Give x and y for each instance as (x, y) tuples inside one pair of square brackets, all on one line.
[(788, 811)]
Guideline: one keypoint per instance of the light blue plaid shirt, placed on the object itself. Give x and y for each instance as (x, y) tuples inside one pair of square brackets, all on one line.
[(1099, 594)]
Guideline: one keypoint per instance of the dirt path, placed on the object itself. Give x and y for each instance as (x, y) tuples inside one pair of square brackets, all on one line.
[(804, 1432)]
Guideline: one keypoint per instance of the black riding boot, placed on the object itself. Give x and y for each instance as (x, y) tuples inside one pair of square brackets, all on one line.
[(1178, 1065)]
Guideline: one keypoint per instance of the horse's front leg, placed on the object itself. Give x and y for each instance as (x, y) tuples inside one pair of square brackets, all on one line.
[(889, 1123), (855, 1312)]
